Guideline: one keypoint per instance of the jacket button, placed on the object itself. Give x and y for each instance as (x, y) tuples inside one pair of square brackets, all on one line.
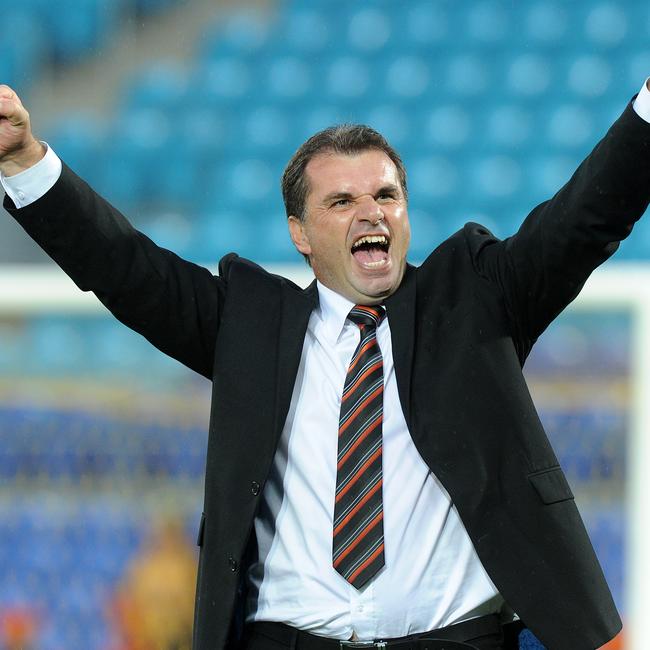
[(255, 488), (232, 563)]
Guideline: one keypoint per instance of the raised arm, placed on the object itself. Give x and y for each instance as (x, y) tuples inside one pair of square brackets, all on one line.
[(545, 264), (173, 303)]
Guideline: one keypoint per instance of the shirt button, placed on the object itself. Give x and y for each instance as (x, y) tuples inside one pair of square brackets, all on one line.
[(21, 195), (232, 563), (255, 488)]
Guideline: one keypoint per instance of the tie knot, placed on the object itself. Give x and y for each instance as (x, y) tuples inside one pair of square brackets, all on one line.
[(367, 316)]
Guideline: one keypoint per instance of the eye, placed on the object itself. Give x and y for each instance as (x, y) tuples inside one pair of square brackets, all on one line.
[(341, 203), (386, 196)]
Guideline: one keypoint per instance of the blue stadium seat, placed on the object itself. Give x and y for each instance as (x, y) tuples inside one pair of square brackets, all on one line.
[(220, 232), (289, 79), (265, 130), (204, 133), (489, 22), (315, 118), (243, 33), (606, 25), (252, 181), (304, 32), (433, 180), (79, 140), (408, 77), (589, 76), (162, 86), (530, 75), (120, 175), (223, 81), (546, 173), (496, 177), (424, 25), (369, 29), (570, 126), (546, 23), (347, 79), (445, 127), (137, 144), (508, 126), (467, 75), (171, 230), (393, 122)]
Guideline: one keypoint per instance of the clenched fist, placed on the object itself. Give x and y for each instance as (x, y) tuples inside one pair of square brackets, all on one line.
[(19, 149)]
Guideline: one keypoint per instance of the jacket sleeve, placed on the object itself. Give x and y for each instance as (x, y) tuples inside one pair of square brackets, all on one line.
[(543, 267), (175, 304)]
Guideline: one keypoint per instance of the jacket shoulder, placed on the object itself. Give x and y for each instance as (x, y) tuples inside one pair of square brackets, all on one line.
[(464, 247), (237, 270)]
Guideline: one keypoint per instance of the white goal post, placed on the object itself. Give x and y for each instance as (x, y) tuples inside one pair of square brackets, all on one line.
[(26, 291)]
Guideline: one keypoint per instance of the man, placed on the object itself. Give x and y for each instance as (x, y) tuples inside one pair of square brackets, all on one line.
[(376, 470)]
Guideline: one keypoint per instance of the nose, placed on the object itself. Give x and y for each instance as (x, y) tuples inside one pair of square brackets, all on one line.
[(370, 210)]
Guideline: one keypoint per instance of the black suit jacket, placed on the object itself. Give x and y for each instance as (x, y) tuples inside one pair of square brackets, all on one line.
[(462, 326)]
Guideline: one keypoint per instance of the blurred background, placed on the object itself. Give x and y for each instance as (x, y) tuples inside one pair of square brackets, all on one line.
[(183, 113)]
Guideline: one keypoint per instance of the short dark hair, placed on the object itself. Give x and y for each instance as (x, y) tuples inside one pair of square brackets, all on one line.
[(348, 139)]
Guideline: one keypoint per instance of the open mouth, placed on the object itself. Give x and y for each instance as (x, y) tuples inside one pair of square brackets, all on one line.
[(371, 250)]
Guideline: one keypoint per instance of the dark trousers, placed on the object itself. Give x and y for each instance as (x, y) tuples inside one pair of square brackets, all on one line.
[(466, 636)]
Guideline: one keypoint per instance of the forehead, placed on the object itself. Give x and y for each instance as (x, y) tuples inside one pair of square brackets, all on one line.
[(360, 173)]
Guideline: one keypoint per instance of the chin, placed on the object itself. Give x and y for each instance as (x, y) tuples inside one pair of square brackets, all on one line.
[(377, 290)]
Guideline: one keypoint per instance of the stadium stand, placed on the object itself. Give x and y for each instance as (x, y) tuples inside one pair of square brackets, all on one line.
[(492, 105), (259, 87)]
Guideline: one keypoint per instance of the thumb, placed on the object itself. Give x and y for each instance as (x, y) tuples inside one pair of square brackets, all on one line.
[(18, 147), (11, 107)]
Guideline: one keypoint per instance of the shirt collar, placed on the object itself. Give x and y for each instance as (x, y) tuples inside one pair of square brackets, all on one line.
[(334, 310)]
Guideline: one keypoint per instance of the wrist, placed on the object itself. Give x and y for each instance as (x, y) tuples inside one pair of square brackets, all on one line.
[(22, 159)]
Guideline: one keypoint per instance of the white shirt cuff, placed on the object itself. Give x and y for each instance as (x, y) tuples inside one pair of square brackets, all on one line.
[(30, 185), (642, 103)]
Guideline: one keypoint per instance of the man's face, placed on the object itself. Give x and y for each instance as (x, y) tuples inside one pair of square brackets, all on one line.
[(356, 230)]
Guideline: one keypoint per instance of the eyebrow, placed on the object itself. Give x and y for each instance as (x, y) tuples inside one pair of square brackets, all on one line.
[(390, 188), (337, 196)]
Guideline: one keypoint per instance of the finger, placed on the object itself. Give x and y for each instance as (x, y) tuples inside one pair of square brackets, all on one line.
[(12, 110), (7, 92)]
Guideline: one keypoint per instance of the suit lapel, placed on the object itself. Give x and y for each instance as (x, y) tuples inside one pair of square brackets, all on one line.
[(296, 309), (400, 308)]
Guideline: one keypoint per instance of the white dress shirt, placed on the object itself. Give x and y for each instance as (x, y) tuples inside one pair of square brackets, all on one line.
[(432, 576)]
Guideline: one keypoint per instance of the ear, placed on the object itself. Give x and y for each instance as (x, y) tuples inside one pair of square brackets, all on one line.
[(298, 235)]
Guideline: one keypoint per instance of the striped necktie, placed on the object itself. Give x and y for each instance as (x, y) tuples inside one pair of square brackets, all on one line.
[(358, 544)]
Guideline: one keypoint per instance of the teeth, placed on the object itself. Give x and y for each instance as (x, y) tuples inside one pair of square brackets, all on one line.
[(370, 239)]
